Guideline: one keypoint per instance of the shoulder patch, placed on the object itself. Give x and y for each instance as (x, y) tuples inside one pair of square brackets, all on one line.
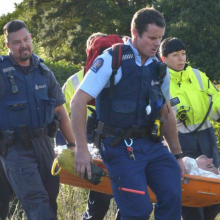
[(97, 65), (174, 101)]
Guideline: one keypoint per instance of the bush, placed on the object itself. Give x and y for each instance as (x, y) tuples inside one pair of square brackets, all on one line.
[(62, 69)]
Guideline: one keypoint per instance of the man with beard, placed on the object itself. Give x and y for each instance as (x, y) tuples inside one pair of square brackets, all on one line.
[(31, 111)]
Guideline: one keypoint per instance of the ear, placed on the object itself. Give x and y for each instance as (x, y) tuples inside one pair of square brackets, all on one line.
[(31, 35), (134, 32), (7, 45), (163, 58)]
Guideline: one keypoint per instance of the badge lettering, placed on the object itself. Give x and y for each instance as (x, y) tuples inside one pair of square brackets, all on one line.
[(40, 87), (174, 101), (153, 83), (127, 56), (11, 68)]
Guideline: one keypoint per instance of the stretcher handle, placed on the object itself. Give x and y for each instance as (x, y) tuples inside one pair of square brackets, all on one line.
[(55, 162)]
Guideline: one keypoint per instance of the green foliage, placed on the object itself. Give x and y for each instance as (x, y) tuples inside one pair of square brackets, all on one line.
[(62, 27), (3, 48), (62, 69), (195, 22)]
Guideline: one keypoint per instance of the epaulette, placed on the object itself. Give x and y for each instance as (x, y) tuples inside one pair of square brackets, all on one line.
[(38, 58), (42, 66), (2, 58)]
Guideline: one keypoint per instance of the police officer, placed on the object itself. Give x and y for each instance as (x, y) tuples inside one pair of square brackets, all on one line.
[(98, 203), (194, 101), (31, 103), (133, 155)]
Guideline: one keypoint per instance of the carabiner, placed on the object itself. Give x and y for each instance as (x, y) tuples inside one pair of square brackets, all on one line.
[(126, 143)]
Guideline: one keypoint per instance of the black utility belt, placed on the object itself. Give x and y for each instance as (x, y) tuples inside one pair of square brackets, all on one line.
[(132, 132), (10, 137), (103, 131)]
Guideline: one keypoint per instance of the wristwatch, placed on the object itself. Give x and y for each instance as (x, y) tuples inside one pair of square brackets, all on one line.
[(179, 156), (70, 145)]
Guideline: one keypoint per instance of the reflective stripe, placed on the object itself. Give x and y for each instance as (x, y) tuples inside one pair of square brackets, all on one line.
[(181, 128), (199, 79), (75, 81)]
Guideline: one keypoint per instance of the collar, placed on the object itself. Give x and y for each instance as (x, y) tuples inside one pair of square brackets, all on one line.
[(180, 76), (32, 59), (137, 56), (35, 60)]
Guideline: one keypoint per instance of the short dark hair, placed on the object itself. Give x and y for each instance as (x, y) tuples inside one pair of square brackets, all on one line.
[(146, 16), (170, 45), (13, 26)]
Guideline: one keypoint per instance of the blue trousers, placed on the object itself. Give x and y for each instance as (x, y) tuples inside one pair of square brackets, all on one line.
[(29, 173), (154, 166)]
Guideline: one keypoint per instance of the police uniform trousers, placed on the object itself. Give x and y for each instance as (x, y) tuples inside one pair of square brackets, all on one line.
[(194, 145), (6, 193), (29, 173), (154, 166)]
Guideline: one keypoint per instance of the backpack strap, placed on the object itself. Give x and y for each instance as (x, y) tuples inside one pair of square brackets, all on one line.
[(116, 63), (203, 121)]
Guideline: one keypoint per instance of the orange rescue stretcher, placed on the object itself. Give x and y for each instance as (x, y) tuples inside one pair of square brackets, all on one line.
[(196, 191)]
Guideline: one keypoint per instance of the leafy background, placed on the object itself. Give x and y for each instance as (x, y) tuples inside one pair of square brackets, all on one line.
[(60, 28)]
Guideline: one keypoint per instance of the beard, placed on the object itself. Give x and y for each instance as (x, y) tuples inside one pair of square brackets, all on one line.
[(25, 54), (25, 58)]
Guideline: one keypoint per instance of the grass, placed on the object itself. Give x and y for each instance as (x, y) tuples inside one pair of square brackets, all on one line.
[(72, 203)]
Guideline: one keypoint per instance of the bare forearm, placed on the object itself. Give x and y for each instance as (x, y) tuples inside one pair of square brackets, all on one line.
[(78, 120)]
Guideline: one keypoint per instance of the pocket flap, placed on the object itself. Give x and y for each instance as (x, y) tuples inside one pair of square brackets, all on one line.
[(16, 106)]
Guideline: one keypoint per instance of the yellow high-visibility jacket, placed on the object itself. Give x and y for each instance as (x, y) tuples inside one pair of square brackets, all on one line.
[(70, 88), (193, 89)]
